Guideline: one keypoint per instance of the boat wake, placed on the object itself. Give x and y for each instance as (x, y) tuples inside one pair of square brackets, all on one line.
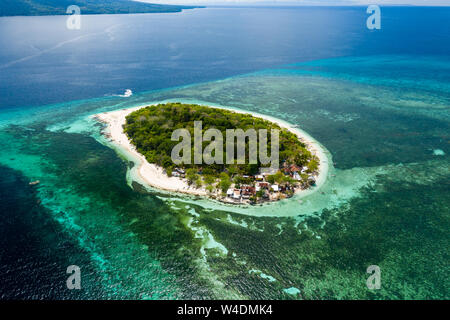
[(126, 94)]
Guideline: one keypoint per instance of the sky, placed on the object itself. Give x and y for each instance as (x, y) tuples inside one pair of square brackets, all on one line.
[(305, 2)]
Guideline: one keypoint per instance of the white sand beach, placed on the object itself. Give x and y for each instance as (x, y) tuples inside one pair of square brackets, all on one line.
[(149, 172), (154, 175)]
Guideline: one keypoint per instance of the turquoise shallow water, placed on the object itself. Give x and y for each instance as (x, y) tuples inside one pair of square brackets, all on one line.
[(384, 120)]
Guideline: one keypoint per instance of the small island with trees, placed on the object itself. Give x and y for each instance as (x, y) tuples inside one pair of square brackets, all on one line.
[(149, 130)]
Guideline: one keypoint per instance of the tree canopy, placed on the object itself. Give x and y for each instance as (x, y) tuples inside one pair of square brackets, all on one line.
[(150, 130)]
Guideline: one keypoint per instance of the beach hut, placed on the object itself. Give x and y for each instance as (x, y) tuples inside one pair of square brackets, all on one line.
[(246, 194), (247, 191), (263, 185)]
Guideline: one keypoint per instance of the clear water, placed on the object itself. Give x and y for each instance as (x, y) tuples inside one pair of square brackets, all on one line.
[(379, 103)]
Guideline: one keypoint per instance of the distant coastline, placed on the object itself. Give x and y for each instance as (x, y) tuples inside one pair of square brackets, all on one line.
[(155, 176), (10, 8)]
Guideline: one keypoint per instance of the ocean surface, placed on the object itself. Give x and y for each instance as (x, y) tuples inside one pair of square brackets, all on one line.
[(377, 100)]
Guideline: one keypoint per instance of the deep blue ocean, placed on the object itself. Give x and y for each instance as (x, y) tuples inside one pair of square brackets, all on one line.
[(378, 100), (42, 62)]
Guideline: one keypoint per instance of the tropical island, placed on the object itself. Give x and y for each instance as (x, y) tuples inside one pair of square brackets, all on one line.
[(146, 133)]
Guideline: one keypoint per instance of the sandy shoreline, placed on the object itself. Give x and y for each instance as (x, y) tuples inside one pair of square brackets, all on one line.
[(154, 176)]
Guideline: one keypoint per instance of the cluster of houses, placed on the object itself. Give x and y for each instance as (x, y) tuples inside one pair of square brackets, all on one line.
[(295, 172), (260, 188), (267, 191)]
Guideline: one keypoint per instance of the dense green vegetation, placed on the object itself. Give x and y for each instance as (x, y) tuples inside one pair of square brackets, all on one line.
[(150, 130), (58, 7)]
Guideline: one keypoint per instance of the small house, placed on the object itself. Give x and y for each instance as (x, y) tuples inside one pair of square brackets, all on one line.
[(246, 194), (264, 185), (248, 190)]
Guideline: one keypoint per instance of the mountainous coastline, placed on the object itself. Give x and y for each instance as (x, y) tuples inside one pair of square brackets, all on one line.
[(58, 7)]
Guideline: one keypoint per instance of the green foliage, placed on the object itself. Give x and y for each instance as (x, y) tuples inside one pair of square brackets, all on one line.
[(289, 180), (232, 170), (198, 182), (259, 194), (209, 179), (251, 169), (313, 165), (279, 177), (191, 175), (150, 130), (225, 182), (58, 7), (224, 176)]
